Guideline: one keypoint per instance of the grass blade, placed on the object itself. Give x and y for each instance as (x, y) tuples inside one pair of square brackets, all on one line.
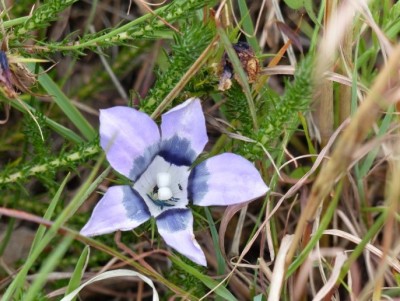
[(112, 274), (87, 188), (49, 212), (248, 25), (78, 272), (210, 283), (47, 267), (237, 66), (65, 104), (60, 129)]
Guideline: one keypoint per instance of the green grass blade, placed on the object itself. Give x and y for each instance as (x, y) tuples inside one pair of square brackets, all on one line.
[(221, 290), (214, 235), (49, 212), (78, 272), (326, 219), (384, 127), (47, 267), (248, 26), (86, 189), (65, 104), (360, 248), (6, 236), (237, 66), (60, 129)]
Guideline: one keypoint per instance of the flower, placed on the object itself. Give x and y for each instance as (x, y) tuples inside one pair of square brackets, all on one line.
[(159, 166)]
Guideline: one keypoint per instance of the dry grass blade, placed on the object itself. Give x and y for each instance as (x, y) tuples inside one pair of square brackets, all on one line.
[(261, 69), (278, 13), (306, 272), (394, 263), (330, 284), (329, 75), (380, 96), (323, 90), (185, 79), (228, 214), (389, 232), (278, 275), (346, 51), (238, 231), (112, 274)]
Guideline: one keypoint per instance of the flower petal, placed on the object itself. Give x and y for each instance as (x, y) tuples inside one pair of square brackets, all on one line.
[(121, 208), (129, 138), (223, 180), (176, 227), (183, 131)]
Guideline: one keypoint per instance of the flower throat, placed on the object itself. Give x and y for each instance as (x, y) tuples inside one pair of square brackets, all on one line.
[(161, 194)]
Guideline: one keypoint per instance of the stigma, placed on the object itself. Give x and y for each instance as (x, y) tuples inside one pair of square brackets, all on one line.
[(163, 184)]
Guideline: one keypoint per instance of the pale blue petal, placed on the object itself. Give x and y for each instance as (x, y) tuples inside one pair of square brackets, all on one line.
[(176, 227), (223, 180), (129, 138), (183, 131), (121, 208)]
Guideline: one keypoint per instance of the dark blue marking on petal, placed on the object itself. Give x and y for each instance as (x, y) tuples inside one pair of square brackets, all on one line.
[(197, 184), (5, 75), (177, 151), (174, 220), (141, 163), (134, 204)]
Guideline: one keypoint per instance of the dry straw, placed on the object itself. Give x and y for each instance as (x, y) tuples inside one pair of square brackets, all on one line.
[(383, 93)]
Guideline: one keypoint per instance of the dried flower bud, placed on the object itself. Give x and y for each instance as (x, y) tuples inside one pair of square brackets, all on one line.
[(249, 63)]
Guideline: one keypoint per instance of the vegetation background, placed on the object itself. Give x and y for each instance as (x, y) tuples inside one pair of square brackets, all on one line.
[(317, 114)]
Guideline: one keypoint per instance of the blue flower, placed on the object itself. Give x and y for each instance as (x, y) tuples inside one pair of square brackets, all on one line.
[(163, 182)]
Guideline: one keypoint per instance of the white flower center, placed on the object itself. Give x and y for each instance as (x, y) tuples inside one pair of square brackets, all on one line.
[(163, 182), (164, 193), (163, 186)]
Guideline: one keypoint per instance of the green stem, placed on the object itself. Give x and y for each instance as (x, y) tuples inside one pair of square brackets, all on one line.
[(14, 22), (89, 151), (7, 236), (361, 246)]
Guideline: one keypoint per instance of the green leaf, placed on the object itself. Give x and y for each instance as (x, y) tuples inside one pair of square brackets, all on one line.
[(49, 265), (299, 172), (248, 25), (259, 297), (294, 4), (65, 104), (219, 289), (367, 163), (78, 272), (214, 234), (47, 216), (306, 4), (60, 129), (86, 189)]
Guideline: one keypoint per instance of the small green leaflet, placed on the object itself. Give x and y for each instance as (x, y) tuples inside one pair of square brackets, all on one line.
[(306, 4)]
